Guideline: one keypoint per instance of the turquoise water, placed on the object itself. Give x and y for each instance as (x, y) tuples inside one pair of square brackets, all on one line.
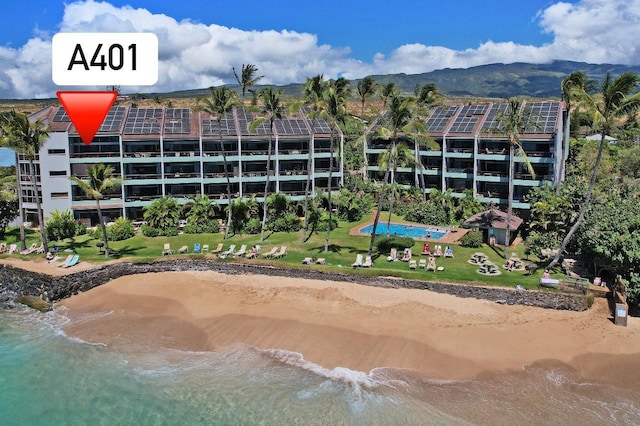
[(413, 231), (47, 378)]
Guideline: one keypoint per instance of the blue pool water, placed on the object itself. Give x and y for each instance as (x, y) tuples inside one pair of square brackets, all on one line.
[(413, 231)]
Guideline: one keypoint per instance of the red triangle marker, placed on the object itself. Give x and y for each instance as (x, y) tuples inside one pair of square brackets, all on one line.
[(87, 110)]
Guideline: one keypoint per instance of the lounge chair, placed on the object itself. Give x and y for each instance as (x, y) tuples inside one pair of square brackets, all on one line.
[(281, 253), (422, 264), (218, 249), (29, 250), (205, 247), (228, 252), (448, 252), (183, 249), (197, 248), (3, 248), (431, 266), (358, 262), (67, 260), (74, 261), (306, 261), (271, 252), (368, 262), (40, 249), (54, 259), (167, 249), (438, 251), (12, 248), (393, 255), (413, 264), (426, 249), (407, 255), (241, 252), (321, 261)]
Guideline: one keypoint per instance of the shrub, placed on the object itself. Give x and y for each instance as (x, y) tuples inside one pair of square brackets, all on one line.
[(61, 225), (121, 229), (252, 226), (385, 244), (203, 228), (472, 239), (428, 213), (288, 223), (149, 231)]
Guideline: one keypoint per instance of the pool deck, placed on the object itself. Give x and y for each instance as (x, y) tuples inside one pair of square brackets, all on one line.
[(452, 235)]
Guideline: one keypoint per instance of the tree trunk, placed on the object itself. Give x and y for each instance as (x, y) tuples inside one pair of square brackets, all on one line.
[(307, 188), (266, 185), (226, 174), (377, 218), (509, 201), (104, 229), (43, 233), (326, 240), (393, 199), (585, 204), (421, 171)]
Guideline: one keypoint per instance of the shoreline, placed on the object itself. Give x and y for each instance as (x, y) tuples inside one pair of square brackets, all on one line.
[(339, 324)]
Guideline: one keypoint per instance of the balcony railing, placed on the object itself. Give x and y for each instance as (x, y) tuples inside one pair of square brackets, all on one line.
[(143, 176), (182, 175), (142, 154)]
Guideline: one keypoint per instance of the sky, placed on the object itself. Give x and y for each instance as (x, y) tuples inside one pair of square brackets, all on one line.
[(200, 41)]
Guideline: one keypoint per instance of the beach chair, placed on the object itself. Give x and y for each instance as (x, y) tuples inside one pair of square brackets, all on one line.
[(407, 255), (74, 261), (54, 259), (29, 250), (431, 266), (368, 262), (3, 248), (271, 252), (67, 260), (281, 253), (183, 249), (40, 249), (197, 248), (358, 262), (448, 252), (167, 249), (228, 252), (426, 249), (321, 261), (393, 255), (12, 248), (205, 247), (438, 251), (241, 252), (422, 264), (306, 261), (218, 249), (413, 264)]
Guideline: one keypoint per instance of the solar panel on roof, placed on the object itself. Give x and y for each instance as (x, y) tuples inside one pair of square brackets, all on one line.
[(439, 119), (210, 126), (113, 120), (177, 121), (291, 127), (493, 116), (143, 121), (543, 116), (61, 116)]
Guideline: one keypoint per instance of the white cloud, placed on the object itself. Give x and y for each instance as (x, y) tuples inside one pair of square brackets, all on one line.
[(197, 55)]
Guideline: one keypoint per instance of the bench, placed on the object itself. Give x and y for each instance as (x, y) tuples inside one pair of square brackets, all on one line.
[(579, 283)]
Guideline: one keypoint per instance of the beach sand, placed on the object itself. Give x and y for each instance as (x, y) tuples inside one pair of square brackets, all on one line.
[(348, 325)]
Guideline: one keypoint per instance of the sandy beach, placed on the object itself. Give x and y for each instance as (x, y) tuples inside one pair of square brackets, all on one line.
[(347, 325)]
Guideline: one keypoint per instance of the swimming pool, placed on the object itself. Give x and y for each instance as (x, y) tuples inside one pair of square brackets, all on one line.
[(404, 230)]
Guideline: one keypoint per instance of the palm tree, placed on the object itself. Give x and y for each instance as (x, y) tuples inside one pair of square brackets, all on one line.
[(427, 95), (163, 213), (27, 139), (399, 120), (511, 123), (271, 110), (616, 98), (386, 92), (367, 87), (200, 212), (247, 77), (100, 181), (400, 156), (334, 108), (312, 93), (220, 103)]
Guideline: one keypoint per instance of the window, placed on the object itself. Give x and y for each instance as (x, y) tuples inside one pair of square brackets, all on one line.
[(58, 173), (59, 195), (57, 151)]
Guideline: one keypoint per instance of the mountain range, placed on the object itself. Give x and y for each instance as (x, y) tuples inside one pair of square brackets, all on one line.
[(484, 81)]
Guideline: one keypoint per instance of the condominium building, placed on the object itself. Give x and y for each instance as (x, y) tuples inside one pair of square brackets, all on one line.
[(471, 153), (177, 152)]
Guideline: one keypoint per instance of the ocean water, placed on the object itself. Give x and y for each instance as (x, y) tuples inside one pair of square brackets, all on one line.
[(47, 378)]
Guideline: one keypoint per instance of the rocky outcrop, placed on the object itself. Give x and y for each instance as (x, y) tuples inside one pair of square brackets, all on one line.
[(15, 282)]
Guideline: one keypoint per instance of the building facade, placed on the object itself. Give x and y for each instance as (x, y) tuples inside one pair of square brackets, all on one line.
[(473, 155), (177, 152)]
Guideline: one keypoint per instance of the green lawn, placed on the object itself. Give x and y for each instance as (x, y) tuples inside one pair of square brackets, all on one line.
[(342, 253)]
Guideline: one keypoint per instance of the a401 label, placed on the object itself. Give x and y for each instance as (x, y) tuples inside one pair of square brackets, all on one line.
[(94, 59)]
